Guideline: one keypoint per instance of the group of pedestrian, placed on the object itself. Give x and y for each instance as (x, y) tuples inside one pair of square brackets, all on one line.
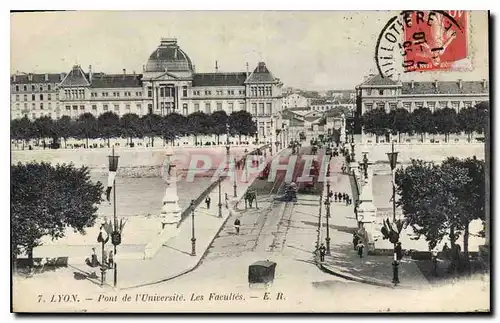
[(342, 197), (93, 262)]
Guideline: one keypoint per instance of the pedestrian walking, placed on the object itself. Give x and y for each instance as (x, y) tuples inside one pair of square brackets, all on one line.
[(227, 200), (207, 202), (111, 260), (336, 196), (322, 252), (237, 225), (360, 248), (434, 254), (355, 240), (93, 259)]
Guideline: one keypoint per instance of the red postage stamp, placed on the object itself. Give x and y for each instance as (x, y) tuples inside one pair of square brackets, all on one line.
[(435, 41)]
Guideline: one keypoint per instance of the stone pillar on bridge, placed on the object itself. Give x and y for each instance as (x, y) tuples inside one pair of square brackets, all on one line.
[(171, 211), (170, 214), (366, 209)]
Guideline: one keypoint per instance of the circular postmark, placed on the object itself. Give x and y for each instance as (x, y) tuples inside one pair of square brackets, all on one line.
[(421, 41)]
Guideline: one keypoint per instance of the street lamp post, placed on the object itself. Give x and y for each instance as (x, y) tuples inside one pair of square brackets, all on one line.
[(103, 241), (234, 179), (327, 206), (393, 158), (193, 239), (116, 234), (352, 152), (220, 201), (365, 164)]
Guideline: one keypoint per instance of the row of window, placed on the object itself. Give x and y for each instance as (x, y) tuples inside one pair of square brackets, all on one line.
[(166, 91), (432, 105), (34, 87), (218, 92), (380, 91), (34, 106), (261, 90), (33, 97)]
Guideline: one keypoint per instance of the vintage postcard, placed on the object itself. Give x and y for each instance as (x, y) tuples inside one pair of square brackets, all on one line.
[(239, 162)]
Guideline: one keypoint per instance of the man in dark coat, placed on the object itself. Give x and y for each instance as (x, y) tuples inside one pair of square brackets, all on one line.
[(207, 201), (322, 252), (237, 224)]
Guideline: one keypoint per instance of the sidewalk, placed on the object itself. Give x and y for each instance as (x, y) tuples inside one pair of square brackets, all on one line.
[(344, 261), (174, 258)]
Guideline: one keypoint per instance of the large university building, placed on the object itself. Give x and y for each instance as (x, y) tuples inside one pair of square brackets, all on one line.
[(169, 83)]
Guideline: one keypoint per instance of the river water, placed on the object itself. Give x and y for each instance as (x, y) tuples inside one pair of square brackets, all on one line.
[(143, 196)]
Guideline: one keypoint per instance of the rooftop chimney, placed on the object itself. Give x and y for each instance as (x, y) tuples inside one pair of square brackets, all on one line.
[(14, 78), (30, 77), (62, 76), (436, 83), (485, 83), (216, 67), (459, 83), (248, 73), (194, 68), (144, 68), (90, 73), (46, 77), (412, 84)]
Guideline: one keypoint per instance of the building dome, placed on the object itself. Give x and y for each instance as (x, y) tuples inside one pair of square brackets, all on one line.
[(169, 57)]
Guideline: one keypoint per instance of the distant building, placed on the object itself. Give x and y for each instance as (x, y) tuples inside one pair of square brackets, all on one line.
[(326, 104), (377, 92), (169, 83), (295, 100)]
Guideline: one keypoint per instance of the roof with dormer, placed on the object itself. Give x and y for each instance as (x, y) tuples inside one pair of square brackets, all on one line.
[(374, 80), (261, 74), (445, 87), (76, 77), (24, 78), (116, 81), (219, 79)]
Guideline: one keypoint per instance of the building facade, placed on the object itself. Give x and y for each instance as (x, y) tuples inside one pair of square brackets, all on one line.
[(377, 92), (327, 104), (169, 83)]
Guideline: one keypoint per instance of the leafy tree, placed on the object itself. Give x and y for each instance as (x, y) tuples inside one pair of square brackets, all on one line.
[(422, 121), (131, 126), (173, 125), (220, 122), (21, 129), (399, 122), (440, 200), (375, 122), (86, 127), (241, 123), (468, 121), (44, 128), (152, 125), (428, 208), (483, 115), (471, 196), (109, 125), (198, 123), (66, 128), (45, 199), (445, 122)]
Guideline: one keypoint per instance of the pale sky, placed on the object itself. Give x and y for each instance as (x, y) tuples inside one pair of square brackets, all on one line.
[(316, 50)]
